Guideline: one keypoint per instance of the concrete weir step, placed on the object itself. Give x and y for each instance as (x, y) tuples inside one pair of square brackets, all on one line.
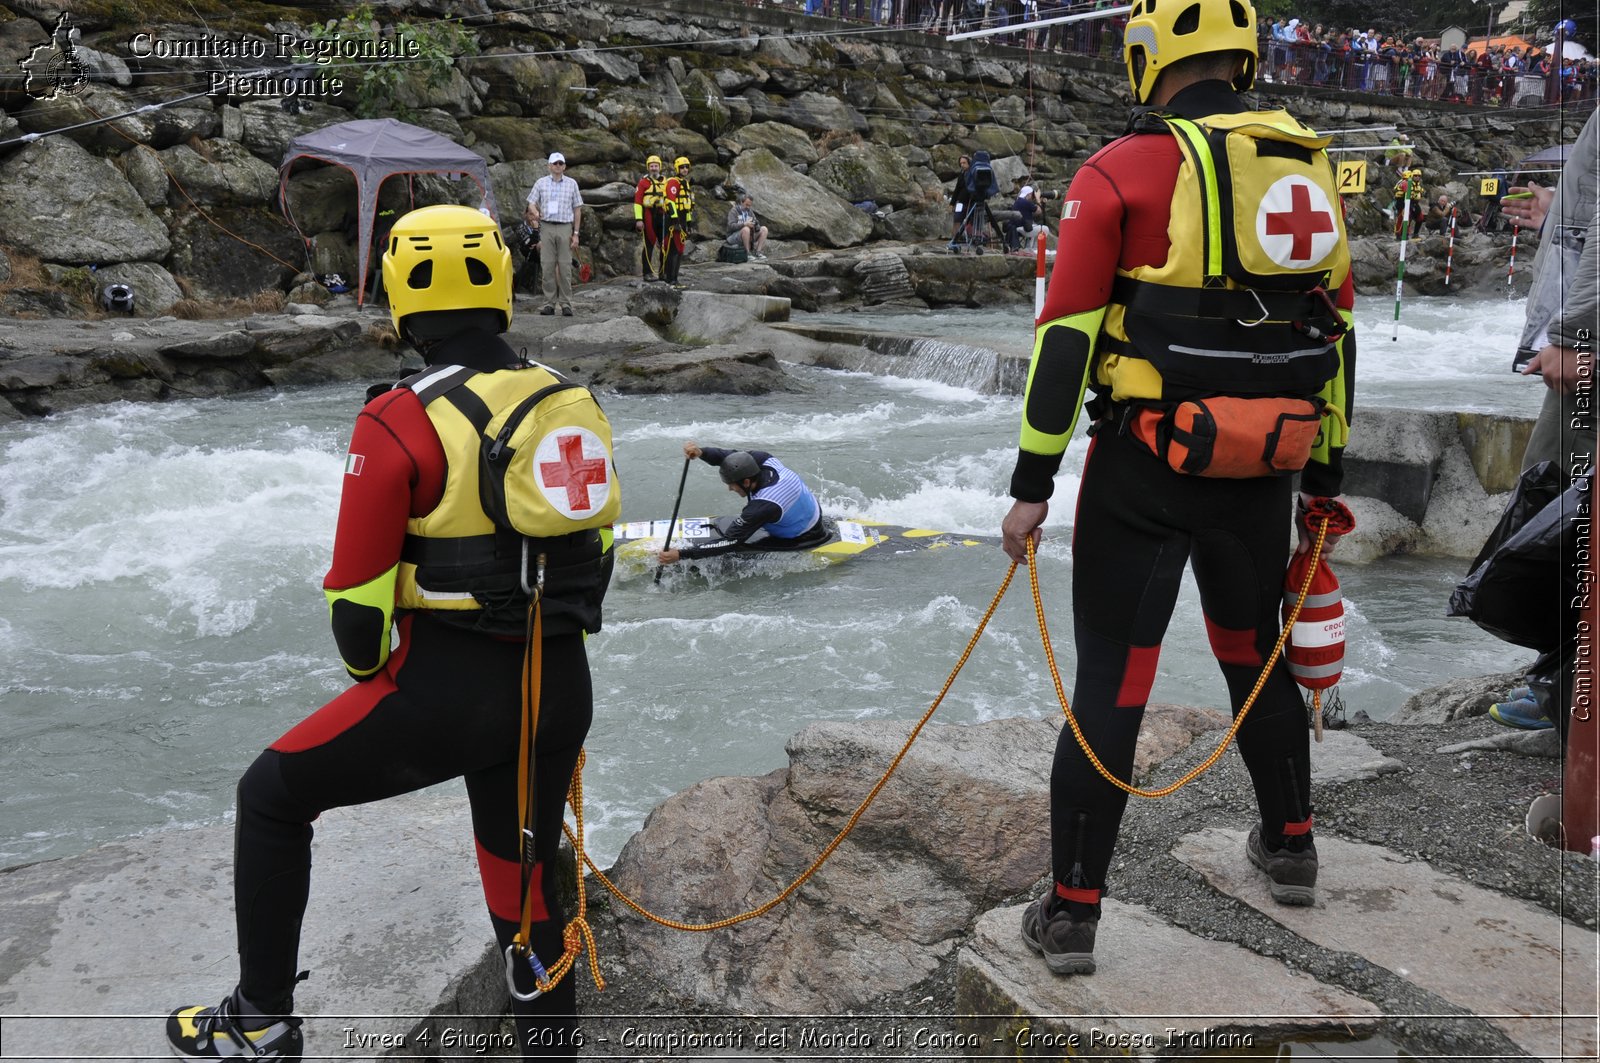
[(95, 950), (1158, 992), (1519, 967)]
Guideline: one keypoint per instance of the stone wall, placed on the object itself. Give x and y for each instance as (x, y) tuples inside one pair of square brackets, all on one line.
[(182, 199)]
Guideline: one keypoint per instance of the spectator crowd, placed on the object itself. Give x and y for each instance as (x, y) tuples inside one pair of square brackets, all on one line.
[(1291, 51)]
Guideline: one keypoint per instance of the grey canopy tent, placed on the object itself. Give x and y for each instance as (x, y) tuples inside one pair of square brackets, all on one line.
[(1556, 156), (373, 149)]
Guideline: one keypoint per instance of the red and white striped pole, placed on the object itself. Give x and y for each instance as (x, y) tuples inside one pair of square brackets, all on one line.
[(1038, 276), (1450, 249), (1511, 267)]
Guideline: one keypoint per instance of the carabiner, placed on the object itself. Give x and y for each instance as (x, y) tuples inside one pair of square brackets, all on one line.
[(534, 965), (1257, 297), (522, 574)]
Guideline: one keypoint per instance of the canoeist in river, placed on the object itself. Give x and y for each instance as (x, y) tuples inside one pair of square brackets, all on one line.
[(781, 512)]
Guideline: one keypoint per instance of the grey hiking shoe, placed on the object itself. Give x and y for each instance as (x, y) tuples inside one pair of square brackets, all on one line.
[(1292, 872), (1066, 944)]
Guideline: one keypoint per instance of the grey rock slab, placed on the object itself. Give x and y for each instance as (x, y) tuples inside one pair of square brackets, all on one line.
[(620, 333), (1155, 988), (1521, 968), (1457, 699), (1545, 743), (704, 317), (1342, 757), (395, 932), (235, 343)]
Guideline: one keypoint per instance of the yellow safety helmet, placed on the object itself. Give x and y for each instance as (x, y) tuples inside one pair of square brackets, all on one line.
[(680, 162), (1161, 32), (652, 159), (446, 258)]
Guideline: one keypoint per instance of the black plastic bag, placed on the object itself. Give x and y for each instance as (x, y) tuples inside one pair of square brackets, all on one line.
[(1520, 590)]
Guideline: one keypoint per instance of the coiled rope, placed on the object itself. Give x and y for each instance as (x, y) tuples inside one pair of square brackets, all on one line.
[(578, 937)]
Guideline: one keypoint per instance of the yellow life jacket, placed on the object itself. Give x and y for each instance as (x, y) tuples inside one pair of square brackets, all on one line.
[(678, 196), (1243, 305), (531, 490), (653, 196)]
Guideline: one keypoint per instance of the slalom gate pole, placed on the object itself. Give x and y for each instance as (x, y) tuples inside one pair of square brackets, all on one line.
[(673, 523), (1450, 248), (1511, 267), (1038, 276), (1405, 233)]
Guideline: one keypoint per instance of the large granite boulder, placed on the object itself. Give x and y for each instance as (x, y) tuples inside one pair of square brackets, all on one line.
[(451, 93), (517, 138), (63, 204), (581, 146), (226, 173), (80, 108), (536, 86), (785, 141), (793, 205), (259, 251), (608, 64), (267, 129), (972, 281), (142, 167), (823, 114), (321, 198), (18, 38), (154, 290), (708, 112), (893, 901), (867, 172)]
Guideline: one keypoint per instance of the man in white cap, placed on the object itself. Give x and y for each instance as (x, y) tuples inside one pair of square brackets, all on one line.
[(555, 209)]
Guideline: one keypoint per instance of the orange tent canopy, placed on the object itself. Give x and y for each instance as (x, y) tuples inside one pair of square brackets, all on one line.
[(1510, 40)]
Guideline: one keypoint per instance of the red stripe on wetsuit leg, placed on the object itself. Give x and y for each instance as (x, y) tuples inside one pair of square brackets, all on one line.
[(502, 886), (1067, 893), (1291, 830), (349, 708), (1232, 646), (1138, 676)]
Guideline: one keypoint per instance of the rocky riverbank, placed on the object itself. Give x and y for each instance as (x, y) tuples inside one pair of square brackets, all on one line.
[(1441, 923), (1442, 928)]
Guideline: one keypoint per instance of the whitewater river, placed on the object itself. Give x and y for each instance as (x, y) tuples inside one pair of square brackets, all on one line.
[(162, 617)]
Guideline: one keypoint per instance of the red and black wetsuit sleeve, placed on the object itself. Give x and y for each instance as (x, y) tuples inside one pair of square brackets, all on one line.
[(1091, 245), (394, 470)]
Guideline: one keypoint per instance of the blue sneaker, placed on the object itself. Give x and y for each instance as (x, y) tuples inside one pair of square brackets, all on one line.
[(1525, 712)]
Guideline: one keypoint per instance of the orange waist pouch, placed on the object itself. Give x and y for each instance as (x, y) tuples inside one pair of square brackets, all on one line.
[(1229, 437)]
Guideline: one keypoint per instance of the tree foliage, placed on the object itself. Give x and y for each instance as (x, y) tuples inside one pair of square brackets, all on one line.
[(1542, 15), (437, 45)]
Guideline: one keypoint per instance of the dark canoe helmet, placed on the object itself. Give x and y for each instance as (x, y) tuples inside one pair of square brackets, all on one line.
[(738, 467), (118, 298)]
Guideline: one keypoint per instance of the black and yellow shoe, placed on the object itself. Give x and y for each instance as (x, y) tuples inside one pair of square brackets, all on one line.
[(216, 1033)]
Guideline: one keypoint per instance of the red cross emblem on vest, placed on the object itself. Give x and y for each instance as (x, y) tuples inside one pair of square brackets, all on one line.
[(574, 472), (1296, 208)]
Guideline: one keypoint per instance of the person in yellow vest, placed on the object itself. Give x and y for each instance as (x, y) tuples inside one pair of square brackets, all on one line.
[(417, 553), (650, 220), (1201, 299), (1409, 190), (679, 198)]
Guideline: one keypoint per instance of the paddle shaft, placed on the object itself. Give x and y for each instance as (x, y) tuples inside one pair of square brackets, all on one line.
[(673, 523)]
